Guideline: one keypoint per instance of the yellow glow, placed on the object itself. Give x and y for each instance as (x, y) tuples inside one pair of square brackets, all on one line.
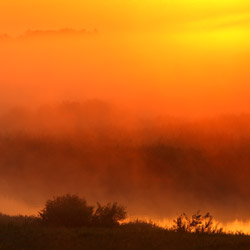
[(16, 15)]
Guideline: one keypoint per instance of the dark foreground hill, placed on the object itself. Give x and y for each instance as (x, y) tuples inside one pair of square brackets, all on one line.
[(129, 237), (68, 223)]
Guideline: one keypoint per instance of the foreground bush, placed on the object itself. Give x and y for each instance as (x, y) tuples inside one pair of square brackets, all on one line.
[(68, 210), (198, 223), (109, 215), (72, 211)]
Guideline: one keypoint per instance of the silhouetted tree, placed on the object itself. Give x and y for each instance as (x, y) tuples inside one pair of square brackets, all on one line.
[(67, 210), (109, 215)]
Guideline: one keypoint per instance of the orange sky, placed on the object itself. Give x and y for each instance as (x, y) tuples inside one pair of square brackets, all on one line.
[(174, 57), (113, 14), (190, 57)]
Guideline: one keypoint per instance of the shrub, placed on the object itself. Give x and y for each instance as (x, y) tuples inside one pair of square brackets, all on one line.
[(68, 211), (198, 223), (109, 215)]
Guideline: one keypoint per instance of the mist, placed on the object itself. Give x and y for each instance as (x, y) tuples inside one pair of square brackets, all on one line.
[(156, 167), (169, 73)]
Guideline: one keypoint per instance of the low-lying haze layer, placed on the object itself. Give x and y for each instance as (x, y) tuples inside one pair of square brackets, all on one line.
[(157, 167)]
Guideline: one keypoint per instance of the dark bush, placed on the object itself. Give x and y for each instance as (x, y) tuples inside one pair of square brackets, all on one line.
[(109, 215), (198, 223), (68, 211)]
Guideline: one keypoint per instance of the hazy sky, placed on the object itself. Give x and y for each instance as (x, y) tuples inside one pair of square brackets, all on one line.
[(113, 14), (185, 58), (178, 57)]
